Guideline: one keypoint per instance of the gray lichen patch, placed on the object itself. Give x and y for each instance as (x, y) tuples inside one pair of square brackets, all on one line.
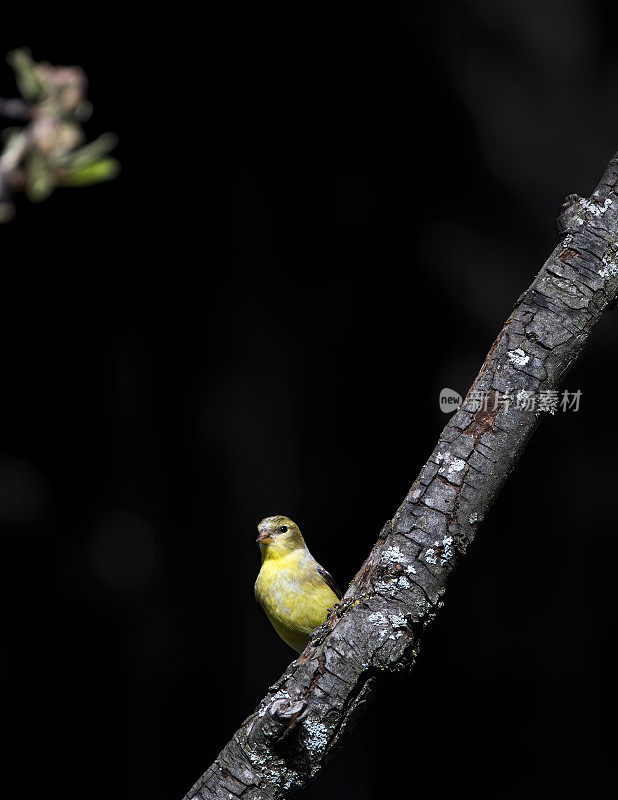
[(441, 552), (314, 736), (610, 263), (394, 556), (597, 210), (451, 467), (518, 358)]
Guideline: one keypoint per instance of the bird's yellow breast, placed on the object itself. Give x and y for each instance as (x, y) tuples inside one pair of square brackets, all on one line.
[(294, 596)]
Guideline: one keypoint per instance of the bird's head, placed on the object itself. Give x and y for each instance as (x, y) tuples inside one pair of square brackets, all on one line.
[(278, 536)]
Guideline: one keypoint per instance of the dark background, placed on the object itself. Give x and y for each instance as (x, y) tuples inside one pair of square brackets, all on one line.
[(324, 217)]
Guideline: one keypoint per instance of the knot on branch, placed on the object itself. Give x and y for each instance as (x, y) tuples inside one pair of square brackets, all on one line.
[(578, 212), (281, 716), (571, 219), (287, 713)]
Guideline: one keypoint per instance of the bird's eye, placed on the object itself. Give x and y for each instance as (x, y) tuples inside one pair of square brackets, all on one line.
[(283, 529)]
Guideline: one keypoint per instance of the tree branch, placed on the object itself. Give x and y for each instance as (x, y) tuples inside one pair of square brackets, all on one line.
[(377, 626)]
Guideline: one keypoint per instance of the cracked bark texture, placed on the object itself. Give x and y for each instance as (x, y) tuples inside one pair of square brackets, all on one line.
[(377, 626)]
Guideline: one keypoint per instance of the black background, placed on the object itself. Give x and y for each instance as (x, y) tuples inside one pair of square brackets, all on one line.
[(324, 217)]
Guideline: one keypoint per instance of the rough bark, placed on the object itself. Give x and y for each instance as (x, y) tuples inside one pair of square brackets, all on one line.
[(377, 626)]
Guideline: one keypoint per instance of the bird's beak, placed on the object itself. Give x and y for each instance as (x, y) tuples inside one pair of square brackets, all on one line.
[(264, 537)]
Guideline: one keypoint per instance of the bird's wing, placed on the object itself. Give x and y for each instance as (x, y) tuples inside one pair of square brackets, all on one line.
[(330, 581)]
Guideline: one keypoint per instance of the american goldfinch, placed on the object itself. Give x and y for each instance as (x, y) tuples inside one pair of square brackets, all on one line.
[(293, 589)]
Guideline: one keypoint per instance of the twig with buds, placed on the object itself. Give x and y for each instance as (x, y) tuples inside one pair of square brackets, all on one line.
[(49, 150)]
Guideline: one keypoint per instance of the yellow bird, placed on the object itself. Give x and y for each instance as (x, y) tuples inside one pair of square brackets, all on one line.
[(293, 589)]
